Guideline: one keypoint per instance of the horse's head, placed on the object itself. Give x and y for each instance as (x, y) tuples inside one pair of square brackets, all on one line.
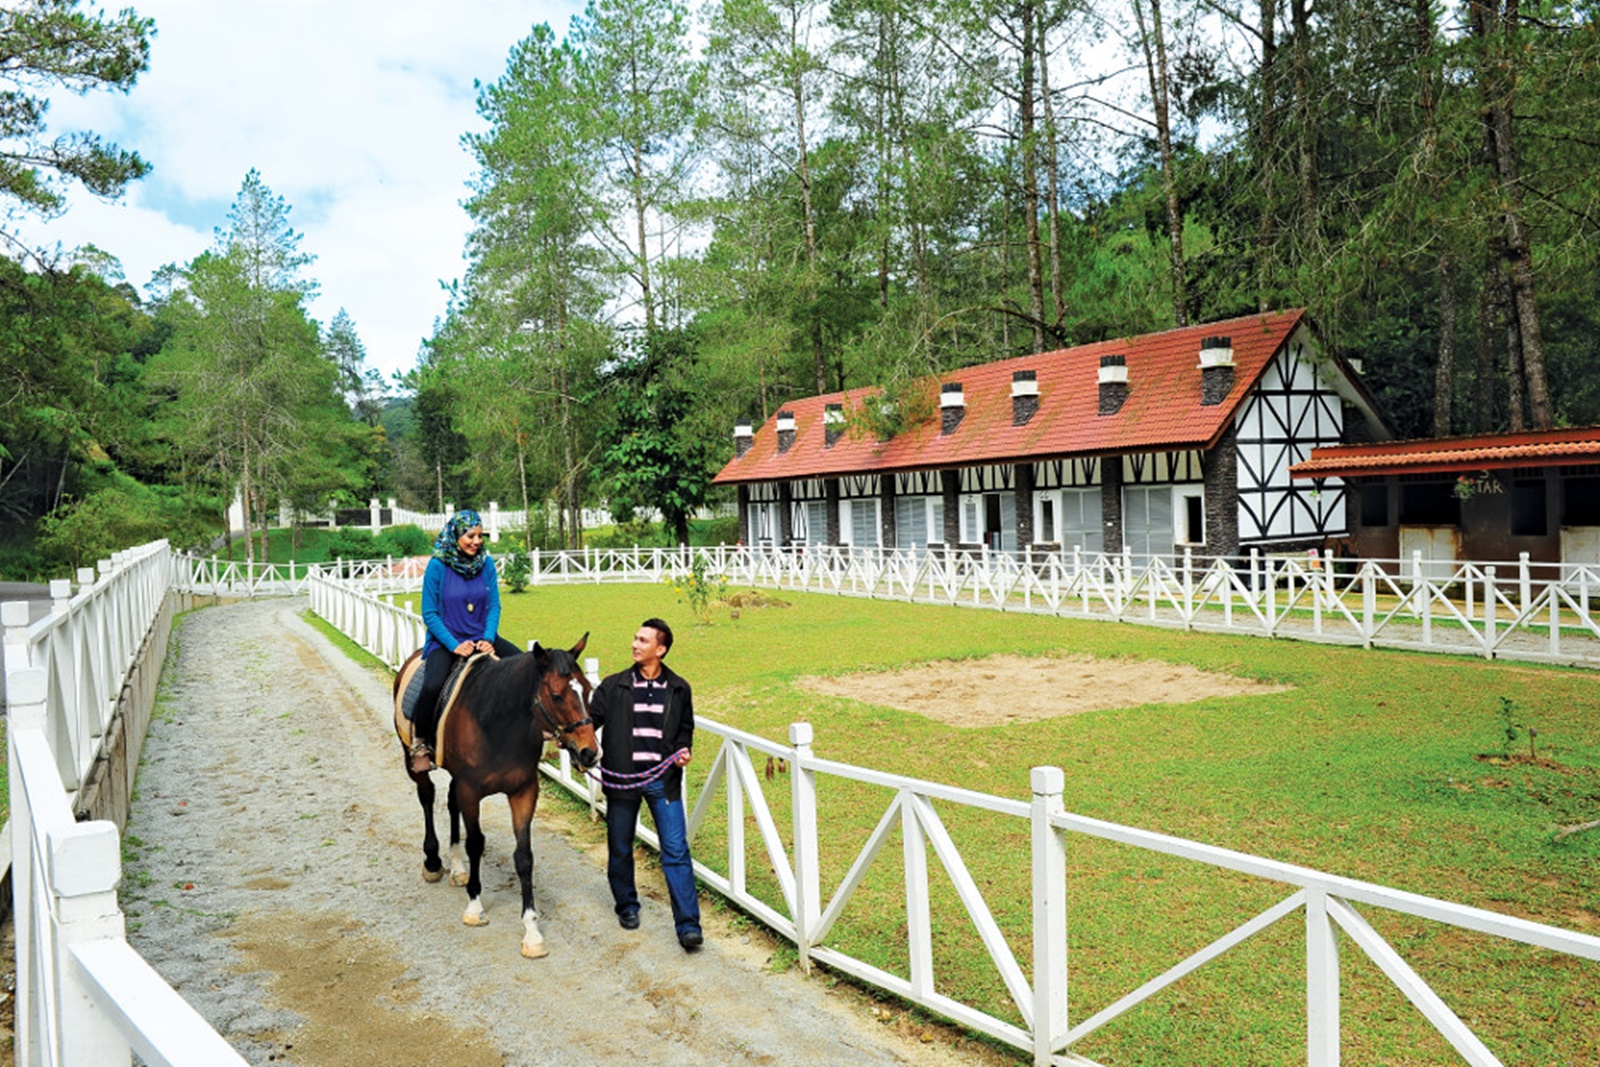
[(561, 701)]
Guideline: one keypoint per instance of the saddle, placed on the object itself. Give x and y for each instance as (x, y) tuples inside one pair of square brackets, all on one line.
[(411, 692)]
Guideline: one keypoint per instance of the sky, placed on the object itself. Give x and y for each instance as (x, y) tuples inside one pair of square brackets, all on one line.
[(351, 110)]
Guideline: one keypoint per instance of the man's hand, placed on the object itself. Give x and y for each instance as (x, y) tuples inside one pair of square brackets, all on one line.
[(684, 757)]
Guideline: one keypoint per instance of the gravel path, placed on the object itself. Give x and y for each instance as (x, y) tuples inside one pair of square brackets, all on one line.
[(273, 876)]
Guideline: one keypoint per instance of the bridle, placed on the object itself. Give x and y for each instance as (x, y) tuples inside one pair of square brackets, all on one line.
[(552, 729)]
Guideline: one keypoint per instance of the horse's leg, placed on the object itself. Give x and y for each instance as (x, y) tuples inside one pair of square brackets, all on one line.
[(469, 800), (522, 805), (432, 868), (458, 864)]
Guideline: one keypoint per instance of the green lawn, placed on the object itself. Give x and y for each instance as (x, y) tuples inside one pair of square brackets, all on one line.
[(1367, 767)]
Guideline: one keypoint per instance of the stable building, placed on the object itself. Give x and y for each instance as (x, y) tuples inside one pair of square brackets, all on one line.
[(1176, 440), (1485, 497)]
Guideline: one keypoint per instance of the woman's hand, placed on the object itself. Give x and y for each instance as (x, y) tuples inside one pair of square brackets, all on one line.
[(465, 648), (484, 646)]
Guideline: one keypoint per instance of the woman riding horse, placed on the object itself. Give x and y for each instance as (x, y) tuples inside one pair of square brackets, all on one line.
[(461, 609)]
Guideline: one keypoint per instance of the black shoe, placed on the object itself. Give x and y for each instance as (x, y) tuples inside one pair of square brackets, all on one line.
[(628, 920), (691, 940)]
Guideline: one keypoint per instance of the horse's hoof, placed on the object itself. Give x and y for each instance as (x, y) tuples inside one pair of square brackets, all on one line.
[(458, 878), (432, 876), (469, 919), (535, 951)]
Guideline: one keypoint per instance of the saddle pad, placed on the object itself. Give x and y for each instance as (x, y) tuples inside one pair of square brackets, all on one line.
[(447, 697), (408, 699)]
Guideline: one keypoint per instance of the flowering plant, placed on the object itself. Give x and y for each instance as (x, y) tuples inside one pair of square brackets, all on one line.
[(699, 588)]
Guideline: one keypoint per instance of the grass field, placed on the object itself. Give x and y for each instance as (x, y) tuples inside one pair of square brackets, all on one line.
[(1374, 765)]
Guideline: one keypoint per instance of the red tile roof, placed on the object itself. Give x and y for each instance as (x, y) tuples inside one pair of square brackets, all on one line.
[(1162, 410), (1532, 448)]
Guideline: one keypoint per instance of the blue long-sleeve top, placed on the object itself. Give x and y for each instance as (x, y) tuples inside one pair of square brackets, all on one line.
[(457, 609)]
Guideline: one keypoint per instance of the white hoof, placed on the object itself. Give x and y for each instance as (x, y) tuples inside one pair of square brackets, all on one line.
[(458, 877), (474, 916), (532, 940)]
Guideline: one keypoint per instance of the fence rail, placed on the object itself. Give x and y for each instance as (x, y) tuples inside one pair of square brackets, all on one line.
[(805, 910), (84, 997), (1518, 609)]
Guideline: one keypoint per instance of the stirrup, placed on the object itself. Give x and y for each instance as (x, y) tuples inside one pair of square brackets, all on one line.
[(421, 756)]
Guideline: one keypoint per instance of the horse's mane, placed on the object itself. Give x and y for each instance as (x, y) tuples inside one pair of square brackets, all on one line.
[(502, 690)]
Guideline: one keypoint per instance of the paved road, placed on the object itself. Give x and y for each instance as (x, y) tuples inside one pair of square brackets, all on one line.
[(273, 876)]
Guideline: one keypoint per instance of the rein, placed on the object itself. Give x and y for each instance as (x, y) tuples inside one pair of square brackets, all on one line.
[(624, 781)]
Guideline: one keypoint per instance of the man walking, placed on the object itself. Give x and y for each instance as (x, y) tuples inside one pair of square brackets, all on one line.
[(647, 715)]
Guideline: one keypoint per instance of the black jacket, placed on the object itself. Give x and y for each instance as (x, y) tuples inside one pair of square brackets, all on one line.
[(611, 708)]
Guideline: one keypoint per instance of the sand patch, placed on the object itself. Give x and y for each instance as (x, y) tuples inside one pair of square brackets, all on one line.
[(1007, 689)]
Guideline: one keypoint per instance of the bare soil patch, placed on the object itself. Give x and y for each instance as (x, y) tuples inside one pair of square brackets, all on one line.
[(1005, 689)]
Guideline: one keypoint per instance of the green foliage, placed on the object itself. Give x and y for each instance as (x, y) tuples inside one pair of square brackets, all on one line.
[(626, 535), (652, 455), (409, 540), (121, 514), (514, 570), (54, 43)]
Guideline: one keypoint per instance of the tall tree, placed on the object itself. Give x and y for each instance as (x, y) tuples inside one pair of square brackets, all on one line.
[(52, 43), (768, 77), (639, 82), (244, 367)]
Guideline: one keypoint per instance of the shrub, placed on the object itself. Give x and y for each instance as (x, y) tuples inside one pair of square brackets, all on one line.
[(354, 543), (118, 516), (514, 571), (408, 541), (723, 530)]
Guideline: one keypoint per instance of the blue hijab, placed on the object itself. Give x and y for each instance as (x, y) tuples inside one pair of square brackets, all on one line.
[(446, 548)]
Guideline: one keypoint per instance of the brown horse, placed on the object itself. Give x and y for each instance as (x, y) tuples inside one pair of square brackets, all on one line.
[(490, 740)]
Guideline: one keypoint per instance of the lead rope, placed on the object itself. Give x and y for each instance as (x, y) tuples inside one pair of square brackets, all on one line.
[(625, 781)]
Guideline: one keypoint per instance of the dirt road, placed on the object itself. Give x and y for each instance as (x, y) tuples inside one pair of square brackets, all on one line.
[(273, 875)]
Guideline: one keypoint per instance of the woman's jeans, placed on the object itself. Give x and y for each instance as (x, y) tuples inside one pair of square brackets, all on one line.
[(622, 819)]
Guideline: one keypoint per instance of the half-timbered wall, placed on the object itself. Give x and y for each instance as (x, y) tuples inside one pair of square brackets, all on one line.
[(1066, 473), (1291, 411), (857, 485), (1162, 468)]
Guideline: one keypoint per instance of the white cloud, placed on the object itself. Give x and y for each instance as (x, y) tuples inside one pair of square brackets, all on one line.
[(352, 111)]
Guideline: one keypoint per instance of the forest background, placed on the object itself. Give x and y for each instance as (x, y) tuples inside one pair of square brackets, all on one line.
[(683, 218)]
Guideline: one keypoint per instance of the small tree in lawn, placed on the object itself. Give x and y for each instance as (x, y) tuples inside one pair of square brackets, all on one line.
[(652, 455)]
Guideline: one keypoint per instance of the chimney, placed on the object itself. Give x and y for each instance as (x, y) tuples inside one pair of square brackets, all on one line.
[(1113, 383), (1024, 396), (743, 437), (952, 407), (1216, 369), (785, 430), (832, 424)]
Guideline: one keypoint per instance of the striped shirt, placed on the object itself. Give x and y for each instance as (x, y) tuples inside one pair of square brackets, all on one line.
[(649, 719)]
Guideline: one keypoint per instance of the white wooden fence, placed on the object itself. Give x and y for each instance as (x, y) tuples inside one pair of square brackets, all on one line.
[(84, 997), (1513, 609), (805, 910)]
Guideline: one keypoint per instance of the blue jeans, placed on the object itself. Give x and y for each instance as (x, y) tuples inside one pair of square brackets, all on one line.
[(622, 819)]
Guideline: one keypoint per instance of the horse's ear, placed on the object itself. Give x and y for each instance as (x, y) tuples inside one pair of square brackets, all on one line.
[(538, 652), (582, 642)]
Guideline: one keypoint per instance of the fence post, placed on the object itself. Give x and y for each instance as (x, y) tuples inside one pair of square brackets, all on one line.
[(85, 868), (1322, 982), (1524, 584), (25, 694), (1049, 915), (1488, 612), (807, 878)]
